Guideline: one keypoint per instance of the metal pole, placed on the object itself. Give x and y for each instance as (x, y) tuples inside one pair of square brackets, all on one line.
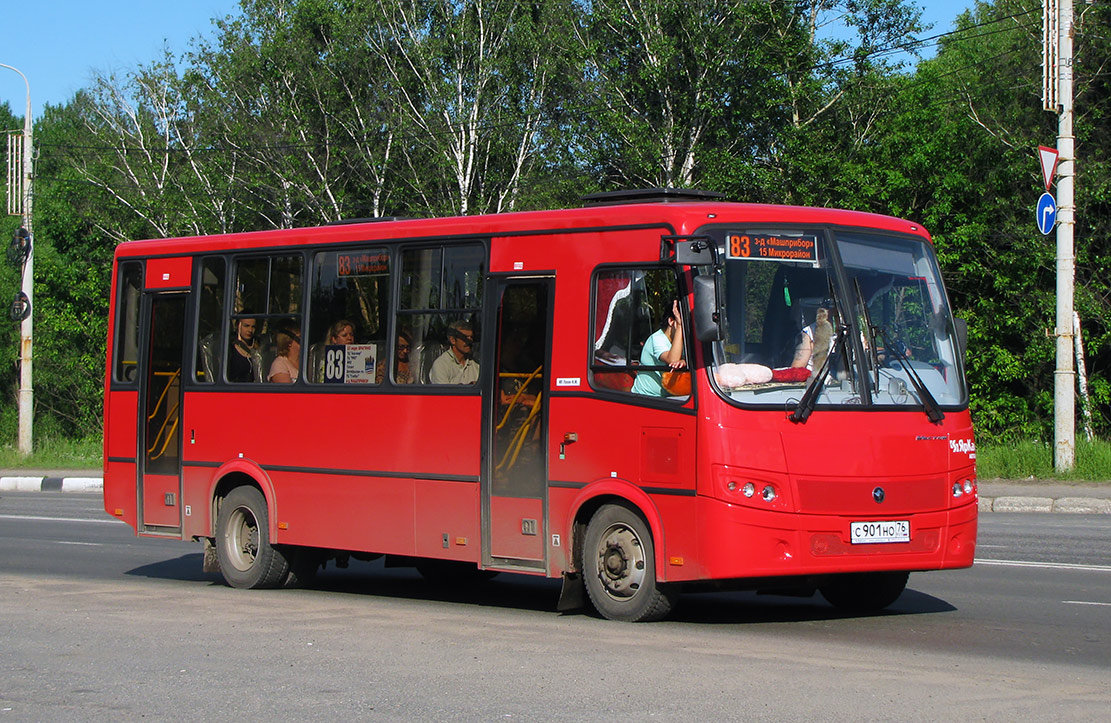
[(1064, 380), (26, 393)]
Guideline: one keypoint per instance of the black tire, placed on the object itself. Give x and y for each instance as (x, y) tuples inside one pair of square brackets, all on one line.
[(864, 592), (619, 568), (247, 559)]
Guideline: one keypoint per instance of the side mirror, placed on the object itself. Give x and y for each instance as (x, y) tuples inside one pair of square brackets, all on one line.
[(960, 328), (706, 327)]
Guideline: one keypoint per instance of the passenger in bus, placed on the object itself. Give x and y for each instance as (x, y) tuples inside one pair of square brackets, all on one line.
[(402, 371), (663, 348), (456, 365), (286, 366), (341, 332), (244, 356), (815, 342)]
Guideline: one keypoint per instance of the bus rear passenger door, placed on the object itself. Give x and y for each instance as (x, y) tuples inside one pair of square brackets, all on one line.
[(160, 400), (514, 496)]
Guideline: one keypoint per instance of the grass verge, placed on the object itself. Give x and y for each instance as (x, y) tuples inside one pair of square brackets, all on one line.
[(1023, 460), (54, 453)]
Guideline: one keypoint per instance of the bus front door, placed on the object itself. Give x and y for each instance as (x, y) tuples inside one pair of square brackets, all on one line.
[(514, 497), (160, 399)]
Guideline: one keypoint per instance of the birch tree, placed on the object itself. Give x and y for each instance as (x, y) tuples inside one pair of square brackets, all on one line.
[(471, 80)]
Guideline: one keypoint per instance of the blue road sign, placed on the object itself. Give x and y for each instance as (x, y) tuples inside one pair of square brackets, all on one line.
[(1046, 215)]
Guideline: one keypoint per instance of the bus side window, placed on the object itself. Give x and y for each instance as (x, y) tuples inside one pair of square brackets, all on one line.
[(348, 312), (630, 305), (210, 320), (439, 316), (130, 291), (268, 303)]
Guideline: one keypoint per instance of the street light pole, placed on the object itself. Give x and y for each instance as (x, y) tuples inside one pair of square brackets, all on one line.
[(1064, 384), (26, 393)]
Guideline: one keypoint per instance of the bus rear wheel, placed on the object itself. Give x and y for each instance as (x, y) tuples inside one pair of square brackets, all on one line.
[(619, 568), (864, 591), (247, 559)]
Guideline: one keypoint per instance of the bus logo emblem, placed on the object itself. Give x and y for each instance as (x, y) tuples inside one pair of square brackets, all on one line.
[(878, 494)]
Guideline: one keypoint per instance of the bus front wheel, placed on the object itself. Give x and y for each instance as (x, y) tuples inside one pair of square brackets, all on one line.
[(864, 591), (247, 559), (619, 568)]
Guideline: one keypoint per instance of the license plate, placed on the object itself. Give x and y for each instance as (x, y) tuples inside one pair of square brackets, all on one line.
[(864, 533)]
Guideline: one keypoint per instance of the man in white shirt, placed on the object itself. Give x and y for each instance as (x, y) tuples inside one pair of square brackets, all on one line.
[(456, 366)]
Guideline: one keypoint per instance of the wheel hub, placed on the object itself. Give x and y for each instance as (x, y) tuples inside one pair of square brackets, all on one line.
[(621, 562)]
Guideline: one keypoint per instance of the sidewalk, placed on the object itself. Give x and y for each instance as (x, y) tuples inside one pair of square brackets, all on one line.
[(995, 495)]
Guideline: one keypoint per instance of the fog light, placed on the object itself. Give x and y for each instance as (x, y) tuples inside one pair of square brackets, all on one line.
[(957, 491), (749, 489), (968, 486), (768, 493)]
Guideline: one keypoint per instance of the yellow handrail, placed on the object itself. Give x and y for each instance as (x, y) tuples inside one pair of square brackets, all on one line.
[(172, 418), (169, 435), (528, 377), (509, 458), (165, 390)]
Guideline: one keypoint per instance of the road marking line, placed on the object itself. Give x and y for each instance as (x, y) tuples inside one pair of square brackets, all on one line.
[(1085, 602), (70, 542), (1049, 565), (60, 519)]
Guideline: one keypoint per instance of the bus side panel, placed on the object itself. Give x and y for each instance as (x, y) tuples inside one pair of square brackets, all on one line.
[(651, 447), (347, 513), (451, 509), (120, 492), (345, 467), (681, 559), (196, 488)]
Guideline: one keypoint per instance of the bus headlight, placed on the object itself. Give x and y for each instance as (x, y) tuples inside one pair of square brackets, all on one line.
[(958, 490), (768, 493), (968, 486), (749, 489)]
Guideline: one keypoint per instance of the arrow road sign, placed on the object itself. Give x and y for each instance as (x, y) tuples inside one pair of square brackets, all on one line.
[(1046, 215), (1048, 158)]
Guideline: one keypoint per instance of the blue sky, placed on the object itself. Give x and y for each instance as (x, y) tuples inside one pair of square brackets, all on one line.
[(59, 43)]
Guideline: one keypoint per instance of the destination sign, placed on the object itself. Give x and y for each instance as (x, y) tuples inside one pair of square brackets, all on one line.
[(362, 263), (771, 247)]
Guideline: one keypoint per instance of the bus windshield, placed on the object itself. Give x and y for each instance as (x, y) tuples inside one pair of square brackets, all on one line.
[(863, 315)]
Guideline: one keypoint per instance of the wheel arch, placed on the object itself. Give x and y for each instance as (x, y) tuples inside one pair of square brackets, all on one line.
[(239, 473), (615, 491)]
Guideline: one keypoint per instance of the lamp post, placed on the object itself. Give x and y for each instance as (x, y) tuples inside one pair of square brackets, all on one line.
[(26, 395)]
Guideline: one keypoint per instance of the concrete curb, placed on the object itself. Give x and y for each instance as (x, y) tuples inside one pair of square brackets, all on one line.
[(1067, 505), (52, 484)]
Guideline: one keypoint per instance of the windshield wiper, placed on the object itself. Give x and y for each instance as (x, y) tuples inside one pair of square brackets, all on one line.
[(810, 396), (929, 404)]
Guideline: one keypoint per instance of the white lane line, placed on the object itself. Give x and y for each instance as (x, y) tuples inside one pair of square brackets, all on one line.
[(69, 542), (1047, 565), (1085, 602), (61, 519)]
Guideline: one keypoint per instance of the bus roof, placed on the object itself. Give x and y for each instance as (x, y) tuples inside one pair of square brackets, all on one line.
[(680, 217)]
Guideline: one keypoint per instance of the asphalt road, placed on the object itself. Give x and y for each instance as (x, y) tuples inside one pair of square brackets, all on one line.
[(97, 625)]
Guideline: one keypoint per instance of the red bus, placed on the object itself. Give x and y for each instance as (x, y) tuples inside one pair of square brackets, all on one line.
[(657, 391)]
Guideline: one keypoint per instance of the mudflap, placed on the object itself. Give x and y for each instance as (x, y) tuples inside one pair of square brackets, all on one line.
[(572, 596), (211, 563)]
